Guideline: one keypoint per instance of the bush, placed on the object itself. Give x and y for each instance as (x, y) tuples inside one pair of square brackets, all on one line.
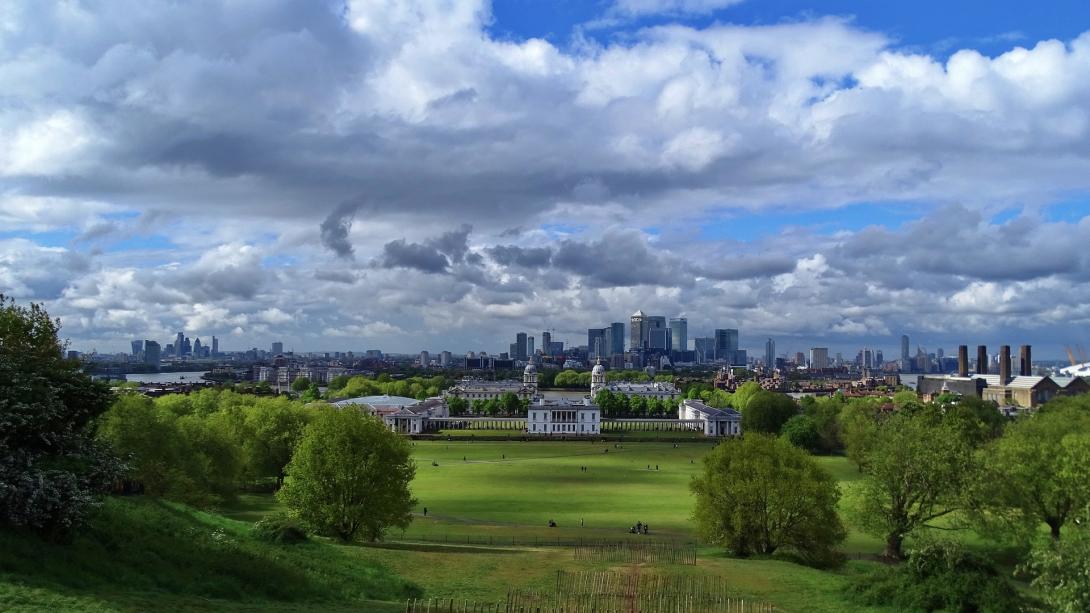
[(939, 576), (280, 528)]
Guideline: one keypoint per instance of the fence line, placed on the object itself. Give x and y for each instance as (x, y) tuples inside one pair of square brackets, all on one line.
[(636, 552)]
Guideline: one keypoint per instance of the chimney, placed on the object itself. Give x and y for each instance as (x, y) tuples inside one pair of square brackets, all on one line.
[(963, 360), (1004, 364), (981, 360), (1027, 362)]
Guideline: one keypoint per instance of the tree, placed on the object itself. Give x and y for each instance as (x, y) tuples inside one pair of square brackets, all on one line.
[(300, 384), (1061, 569), (510, 404), (742, 395), (457, 406), (1038, 472), (758, 494), (825, 413), (767, 412), (272, 429), (52, 470), (915, 470), (801, 431), (350, 474), (859, 429)]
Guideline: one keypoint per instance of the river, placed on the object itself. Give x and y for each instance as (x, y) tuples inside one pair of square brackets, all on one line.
[(166, 377)]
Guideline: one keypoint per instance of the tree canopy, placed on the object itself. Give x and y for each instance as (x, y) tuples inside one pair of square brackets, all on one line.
[(51, 469), (350, 475), (758, 494), (767, 411)]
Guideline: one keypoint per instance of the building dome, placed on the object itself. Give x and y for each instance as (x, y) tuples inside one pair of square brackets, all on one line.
[(530, 368), (598, 369)]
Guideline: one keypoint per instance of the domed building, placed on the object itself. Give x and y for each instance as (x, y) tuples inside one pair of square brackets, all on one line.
[(529, 377), (597, 378)]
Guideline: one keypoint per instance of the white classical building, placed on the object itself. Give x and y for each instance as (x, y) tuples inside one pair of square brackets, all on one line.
[(716, 422), (401, 414), (564, 417), (654, 389)]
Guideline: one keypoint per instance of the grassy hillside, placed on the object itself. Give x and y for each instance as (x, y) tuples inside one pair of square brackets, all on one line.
[(140, 554)]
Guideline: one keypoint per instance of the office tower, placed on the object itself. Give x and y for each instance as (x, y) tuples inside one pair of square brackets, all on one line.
[(704, 347), (187, 347), (546, 342), (513, 350), (868, 359), (800, 359), (529, 346), (904, 350), (770, 353), (137, 347), (520, 346), (637, 331), (278, 348), (444, 359), (151, 353), (596, 342), (658, 338), (179, 344), (215, 346), (616, 338), (425, 359), (879, 359), (726, 344), (197, 348), (819, 358), (679, 334)]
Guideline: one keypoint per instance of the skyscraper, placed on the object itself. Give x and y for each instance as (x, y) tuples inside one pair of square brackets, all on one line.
[(179, 344), (151, 353), (520, 349), (215, 346), (904, 351), (278, 348), (637, 331), (546, 342), (819, 358), (616, 338), (197, 348), (679, 334), (726, 344), (529, 346), (596, 342), (137, 347), (658, 338), (770, 353), (705, 349)]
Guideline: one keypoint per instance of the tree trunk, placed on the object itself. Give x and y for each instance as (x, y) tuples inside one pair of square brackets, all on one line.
[(894, 542), (1054, 530)]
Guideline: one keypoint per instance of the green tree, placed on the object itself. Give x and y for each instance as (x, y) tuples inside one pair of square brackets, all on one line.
[(760, 494), (52, 471), (457, 406), (767, 412), (801, 431), (510, 404), (859, 429), (742, 395), (916, 471), (272, 429), (300, 384), (349, 475), (1061, 570), (1038, 472), (826, 415)]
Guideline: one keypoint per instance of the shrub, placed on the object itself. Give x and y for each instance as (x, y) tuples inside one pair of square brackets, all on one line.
[(280, 528)]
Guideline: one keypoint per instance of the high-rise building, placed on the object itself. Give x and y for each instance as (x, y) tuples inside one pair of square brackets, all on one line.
[(770, 353), (530, 347), (179, 344), (726, 344), (520, 349), (616, 338), (187, 347), (637, 331), (151, 353), (679, 334), (704, 348), (546, 342), (137, 347), (425, 359), (278, 348), (819, 358), (197, 348), (444, 359), (658, 338), (596, 343), (904, 351), (215, 346)]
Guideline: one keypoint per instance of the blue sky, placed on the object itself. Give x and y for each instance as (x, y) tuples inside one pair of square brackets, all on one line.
[(406, 174)]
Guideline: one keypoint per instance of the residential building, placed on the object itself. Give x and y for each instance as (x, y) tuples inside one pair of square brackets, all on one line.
[(819, 358), (770, 354), (278, 348)]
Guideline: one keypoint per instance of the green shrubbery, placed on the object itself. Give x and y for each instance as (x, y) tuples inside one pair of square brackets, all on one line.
[(280, 528), (939, 576)]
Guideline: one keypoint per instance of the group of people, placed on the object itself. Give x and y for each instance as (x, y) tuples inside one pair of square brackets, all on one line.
[(584, 468), (639, 528)]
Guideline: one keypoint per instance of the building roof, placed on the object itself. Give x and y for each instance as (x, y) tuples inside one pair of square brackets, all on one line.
[(636, 388), (378, 401), (1019, 382), (712, 413), (638, 314)]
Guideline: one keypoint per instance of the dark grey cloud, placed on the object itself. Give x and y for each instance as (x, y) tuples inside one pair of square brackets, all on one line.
[(402, 254), (526, 257), (455, 243), (619, 259), (335, 229), (745, 267)]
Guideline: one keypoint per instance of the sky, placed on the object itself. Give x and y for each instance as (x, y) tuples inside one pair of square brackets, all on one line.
[(407, 175)]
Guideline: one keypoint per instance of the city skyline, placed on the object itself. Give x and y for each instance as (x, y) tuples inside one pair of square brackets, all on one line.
[(414, 175)]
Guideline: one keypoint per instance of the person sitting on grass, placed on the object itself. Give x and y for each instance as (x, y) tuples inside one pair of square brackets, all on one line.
[(552, 524)]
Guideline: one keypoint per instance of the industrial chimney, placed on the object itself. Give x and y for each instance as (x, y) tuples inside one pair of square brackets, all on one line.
[(1027, 362), (981, 360), (963, 360), (1004, 365)]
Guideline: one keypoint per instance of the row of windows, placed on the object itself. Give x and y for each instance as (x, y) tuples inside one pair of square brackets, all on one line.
[(560, 428)]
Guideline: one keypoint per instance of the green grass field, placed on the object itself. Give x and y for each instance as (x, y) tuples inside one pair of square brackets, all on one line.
[(165, 556)]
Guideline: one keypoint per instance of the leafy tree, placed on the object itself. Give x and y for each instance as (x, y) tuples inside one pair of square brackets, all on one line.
[(350, 474), (510, 404), (300, 384), (52, 472), (742, 395), (760, 494), (859, 430), (801, 431), (1061, 569), (767, 412), (825, 413), (338, 382), (916, 470), (312, 393), (457, 406), (1039, 471), (272, 429), (906, 399)]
